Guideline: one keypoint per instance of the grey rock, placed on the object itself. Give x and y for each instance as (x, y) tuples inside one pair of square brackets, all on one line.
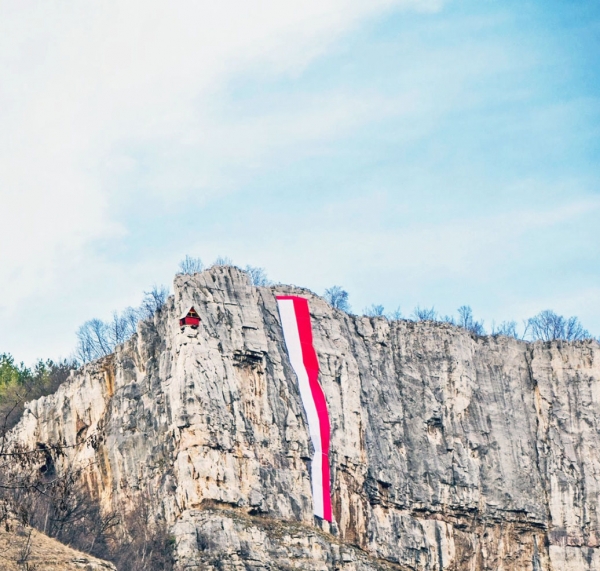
[(449, 451)]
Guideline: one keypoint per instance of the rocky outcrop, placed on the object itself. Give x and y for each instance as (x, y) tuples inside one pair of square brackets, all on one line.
[(449, 451)]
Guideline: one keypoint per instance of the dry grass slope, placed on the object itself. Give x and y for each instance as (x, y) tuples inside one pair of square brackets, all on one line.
[(25, 549)]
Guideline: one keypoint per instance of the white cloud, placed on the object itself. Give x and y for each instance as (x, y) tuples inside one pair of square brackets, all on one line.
[(86, 85)]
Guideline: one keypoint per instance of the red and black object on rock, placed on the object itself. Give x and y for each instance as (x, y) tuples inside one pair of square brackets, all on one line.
[(191, 318)]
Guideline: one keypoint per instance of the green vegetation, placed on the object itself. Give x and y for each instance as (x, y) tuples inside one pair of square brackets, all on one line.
[(19, 384)]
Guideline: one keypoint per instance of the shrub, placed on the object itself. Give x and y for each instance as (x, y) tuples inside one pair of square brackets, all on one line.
[(223, 261), (374, 311), (424, 314), (190, 266), (258, 276), (395, 315), (337, 297), (466, 320), (506, 328), (153, 301)]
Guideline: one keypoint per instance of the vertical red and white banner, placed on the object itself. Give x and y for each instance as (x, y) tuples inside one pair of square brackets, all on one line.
[(297, 332)]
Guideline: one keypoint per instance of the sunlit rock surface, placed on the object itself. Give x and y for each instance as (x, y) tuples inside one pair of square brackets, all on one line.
[(448, 451)]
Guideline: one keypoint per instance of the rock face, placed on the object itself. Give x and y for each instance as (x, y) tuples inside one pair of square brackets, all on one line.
[(448, 451)]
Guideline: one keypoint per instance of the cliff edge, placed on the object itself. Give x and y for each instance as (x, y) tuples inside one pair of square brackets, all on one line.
[(448, 451)]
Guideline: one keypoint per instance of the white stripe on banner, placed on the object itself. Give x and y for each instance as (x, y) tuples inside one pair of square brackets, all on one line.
[(317, 483), (292, 342)]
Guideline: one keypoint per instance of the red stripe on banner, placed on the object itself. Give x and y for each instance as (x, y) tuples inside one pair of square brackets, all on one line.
[(311, 363)]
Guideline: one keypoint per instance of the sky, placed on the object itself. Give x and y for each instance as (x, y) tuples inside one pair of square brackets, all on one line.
[(415, 152)]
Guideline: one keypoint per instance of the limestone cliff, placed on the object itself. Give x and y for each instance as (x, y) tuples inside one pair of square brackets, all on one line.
[(449, 451)]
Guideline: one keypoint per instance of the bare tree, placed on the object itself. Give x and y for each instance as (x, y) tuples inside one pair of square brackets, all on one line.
[(395, 315), (84, 351), (548, 326), (93, 340), (25, 552), (374, 311), (131, 317), (146, 543), (96, 338), (118, 330), (43, 489), (466, 320), (574, 331), (337, 297), (506, 328), (223, 261), (153, 301), (190, 266), (258, 276), (424, 314)]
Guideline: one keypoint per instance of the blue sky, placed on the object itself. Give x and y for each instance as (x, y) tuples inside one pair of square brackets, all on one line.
[(415, 152)]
